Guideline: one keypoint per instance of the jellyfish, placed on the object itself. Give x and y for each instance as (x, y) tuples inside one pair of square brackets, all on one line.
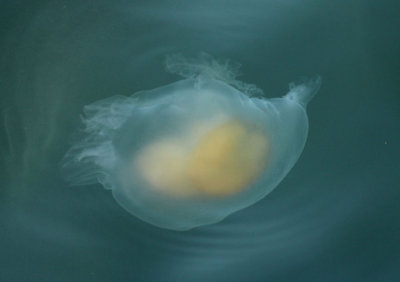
[(194, 151)]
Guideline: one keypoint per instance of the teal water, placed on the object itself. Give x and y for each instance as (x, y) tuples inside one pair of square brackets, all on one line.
[(335, 217)]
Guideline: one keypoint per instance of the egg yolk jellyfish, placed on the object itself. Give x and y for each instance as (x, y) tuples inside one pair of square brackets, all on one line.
[(192, 152)]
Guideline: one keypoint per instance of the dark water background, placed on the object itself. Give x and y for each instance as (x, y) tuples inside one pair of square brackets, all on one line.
[(335, 217)]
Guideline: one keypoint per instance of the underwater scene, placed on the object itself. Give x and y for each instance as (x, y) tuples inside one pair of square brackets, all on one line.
[(199, 140)]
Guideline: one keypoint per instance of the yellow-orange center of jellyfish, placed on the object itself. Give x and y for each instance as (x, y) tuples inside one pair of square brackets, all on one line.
[(224, 160)]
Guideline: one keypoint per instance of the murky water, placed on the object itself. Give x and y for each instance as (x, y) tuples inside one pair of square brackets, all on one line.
[(335, 217)]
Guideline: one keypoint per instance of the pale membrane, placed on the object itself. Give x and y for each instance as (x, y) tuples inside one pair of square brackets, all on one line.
[(192, 152)]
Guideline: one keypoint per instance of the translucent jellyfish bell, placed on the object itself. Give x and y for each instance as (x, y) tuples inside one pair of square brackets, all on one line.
[(192, 152)]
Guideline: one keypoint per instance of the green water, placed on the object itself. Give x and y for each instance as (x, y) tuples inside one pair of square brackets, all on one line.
[(335, 217)]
